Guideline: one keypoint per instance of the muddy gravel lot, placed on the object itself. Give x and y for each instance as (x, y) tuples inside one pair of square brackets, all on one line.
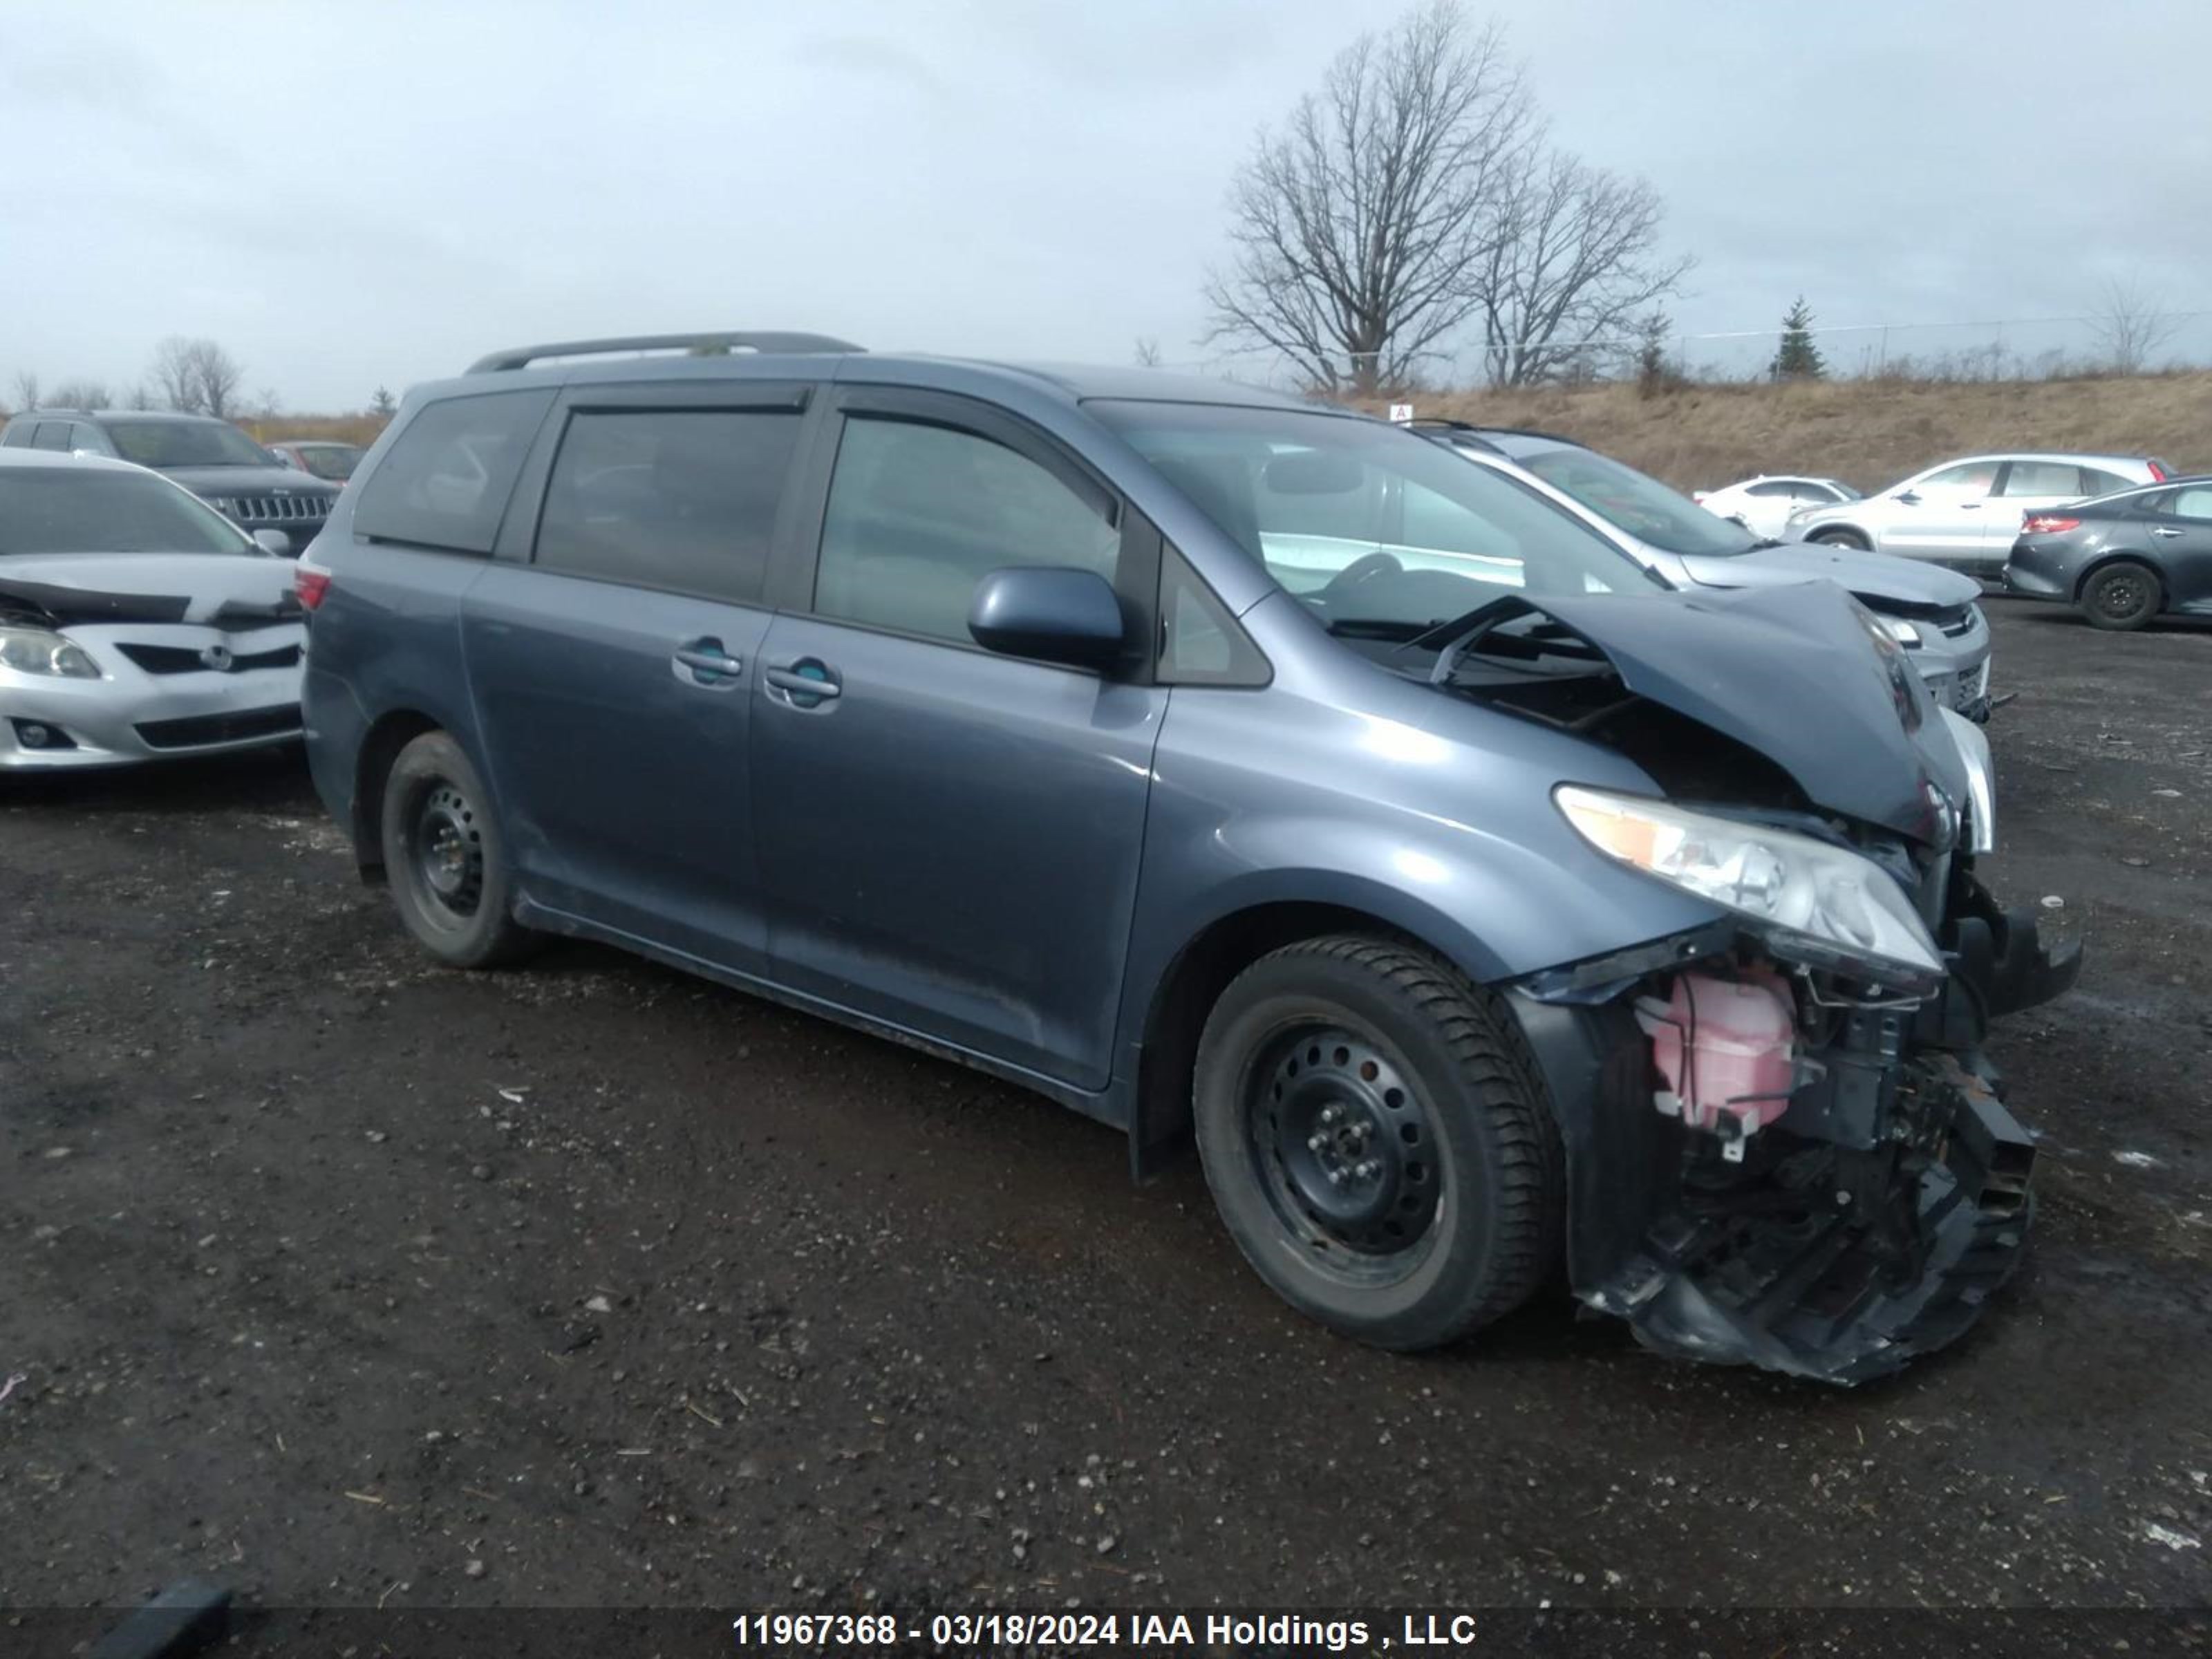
[(344, 1279)]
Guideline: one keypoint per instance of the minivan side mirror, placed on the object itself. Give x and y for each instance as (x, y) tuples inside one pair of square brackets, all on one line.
[(273, 541), (1052, 613)]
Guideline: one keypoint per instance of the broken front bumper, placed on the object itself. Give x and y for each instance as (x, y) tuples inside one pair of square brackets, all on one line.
[(1868, 1223)]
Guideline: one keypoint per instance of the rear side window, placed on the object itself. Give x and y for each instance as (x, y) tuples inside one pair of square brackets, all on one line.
[(918, 514), (1784, 488), (2096, 482), (445, 482), (2043, 479), (51, 434), (684, 500)]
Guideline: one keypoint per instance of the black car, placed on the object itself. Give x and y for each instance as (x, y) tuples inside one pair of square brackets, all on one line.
[(2122, 558), (211, 457)]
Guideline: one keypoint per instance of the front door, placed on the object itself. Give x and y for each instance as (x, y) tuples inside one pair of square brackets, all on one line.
[(1941, 516), (612, 673), (949, 839), (2179, 532)]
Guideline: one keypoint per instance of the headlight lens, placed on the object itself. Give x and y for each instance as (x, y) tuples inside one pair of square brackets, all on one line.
[(1900, 630), (37, 650), (1793, 885)]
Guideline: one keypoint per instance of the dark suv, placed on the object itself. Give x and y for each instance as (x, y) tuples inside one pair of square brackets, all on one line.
[(211, 457), (1224, 767)]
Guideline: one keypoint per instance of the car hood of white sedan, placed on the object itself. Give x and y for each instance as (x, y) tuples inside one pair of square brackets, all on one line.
[(1873, 577), (62, 589)]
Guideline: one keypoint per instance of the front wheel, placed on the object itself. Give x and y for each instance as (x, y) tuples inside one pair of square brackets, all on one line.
[(2122, 596), (1376, 1141), (445, 858), (1841, 539)]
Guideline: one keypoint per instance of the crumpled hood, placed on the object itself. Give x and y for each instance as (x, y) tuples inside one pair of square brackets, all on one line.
[(105, 587), (1882, 580), (1794, 672), (249, 481)]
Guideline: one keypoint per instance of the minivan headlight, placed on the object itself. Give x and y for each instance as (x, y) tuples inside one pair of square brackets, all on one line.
[(41, 651), (1795, 887)]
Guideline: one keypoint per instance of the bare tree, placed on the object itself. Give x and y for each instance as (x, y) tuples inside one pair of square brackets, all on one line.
[(1356, 226), (27, 391), (217, 374), (138, 398), (1575, 266), (197, 376), (175, 375), (81, 394), (1148, 352), (383, 404), (2131, 325)]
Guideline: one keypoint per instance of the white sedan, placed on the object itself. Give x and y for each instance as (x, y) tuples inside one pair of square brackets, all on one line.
[(1762, 504)]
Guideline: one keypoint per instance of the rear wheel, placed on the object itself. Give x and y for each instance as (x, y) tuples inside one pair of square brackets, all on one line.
[(1841, 539), (445, 858), (1377, 1142), (2121, 596)]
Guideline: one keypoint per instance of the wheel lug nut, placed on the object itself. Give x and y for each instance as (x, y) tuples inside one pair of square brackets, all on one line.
[(1315, 1143)]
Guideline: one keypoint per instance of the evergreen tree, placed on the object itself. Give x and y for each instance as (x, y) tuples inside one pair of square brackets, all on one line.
[(1797, 358)]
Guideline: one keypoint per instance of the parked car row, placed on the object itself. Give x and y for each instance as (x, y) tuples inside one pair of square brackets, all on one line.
[(252, 487), (1483, 857), (2120, 537)]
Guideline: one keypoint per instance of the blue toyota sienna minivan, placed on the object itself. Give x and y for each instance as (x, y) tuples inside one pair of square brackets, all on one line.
[(1231, 769)]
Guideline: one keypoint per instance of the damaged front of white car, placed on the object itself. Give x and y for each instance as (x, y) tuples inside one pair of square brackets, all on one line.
[(1785, 1146), (137, 624)]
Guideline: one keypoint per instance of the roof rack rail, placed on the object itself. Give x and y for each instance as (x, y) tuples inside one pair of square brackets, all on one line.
[(703, 345)]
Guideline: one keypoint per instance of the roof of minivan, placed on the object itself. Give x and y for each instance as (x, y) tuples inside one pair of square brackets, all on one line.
[(1074, 382)]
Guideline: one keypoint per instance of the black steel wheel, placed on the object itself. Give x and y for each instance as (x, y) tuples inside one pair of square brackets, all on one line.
[(1343, 1146), (1376, 1140), (2122, 596), (444, 858)]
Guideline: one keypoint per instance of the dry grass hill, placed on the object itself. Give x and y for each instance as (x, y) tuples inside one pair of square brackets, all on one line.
[(1867, 432)]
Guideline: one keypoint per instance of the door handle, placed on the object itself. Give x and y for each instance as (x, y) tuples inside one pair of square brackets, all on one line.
[(709, 665), (2163, 530), (800, 689), (1969, 506)]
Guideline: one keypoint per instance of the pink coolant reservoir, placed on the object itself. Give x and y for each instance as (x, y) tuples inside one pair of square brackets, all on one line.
[(1725, 1046)]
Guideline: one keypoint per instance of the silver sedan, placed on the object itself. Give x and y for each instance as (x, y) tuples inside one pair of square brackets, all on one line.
[(137, 624)]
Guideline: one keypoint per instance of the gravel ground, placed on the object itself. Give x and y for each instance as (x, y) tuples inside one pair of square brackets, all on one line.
[(344, 1279)]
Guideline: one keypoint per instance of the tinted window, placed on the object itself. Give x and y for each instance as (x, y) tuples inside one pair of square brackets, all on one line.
[(1368, 524), (184, 443), (1975, 478), (90, 437), (1781, 487), (918, 514), (2094, 483), (2195, 502), (51, 435), (446, 480), (88, 509), (683, 500), (2043, 479)]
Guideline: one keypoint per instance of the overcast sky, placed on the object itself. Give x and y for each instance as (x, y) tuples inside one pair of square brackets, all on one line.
[(363, 194)]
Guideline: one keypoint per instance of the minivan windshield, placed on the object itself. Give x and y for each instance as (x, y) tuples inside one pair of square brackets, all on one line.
[(1643, 507), (87, 509), (184, 443), (1376, 529)]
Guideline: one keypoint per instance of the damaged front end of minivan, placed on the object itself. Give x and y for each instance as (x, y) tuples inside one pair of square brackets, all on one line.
[(1785, 1147)]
